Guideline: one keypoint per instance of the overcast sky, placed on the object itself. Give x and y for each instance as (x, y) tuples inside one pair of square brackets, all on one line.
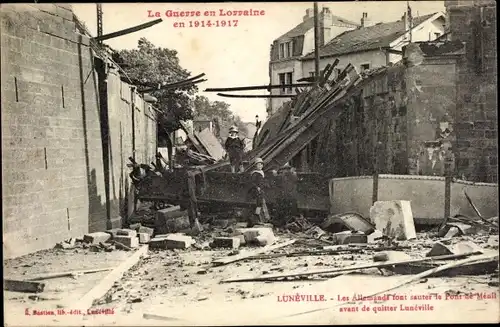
[(231, 56)]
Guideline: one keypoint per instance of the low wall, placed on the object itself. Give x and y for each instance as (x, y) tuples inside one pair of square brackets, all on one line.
[(426, 193)]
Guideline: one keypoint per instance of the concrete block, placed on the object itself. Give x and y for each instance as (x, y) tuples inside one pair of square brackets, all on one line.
[(130, 241), (372, 238), (171, 220), (348, 237), (144, 238), (147, 230), (394, 219), (390, 256), (226, 242), (171, 241), (126, 232), (241, 238), (96, 238), (251, 234)]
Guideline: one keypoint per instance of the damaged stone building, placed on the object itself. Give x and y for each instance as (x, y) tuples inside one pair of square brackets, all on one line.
[(69, 124), (434, 109)]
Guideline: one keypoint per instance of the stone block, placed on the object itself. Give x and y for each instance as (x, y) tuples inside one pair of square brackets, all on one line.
[(226, 242), (126, 232), (251, 235), (348, 237), (171, 220), (373, 237), (171, 241), (147, 230), (391, 256), (144, 238), (130, 241), (394, 219), (96, 238), (241, 238)]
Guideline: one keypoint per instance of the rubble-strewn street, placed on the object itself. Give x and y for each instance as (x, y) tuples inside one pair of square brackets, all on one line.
[(165, 285), (242, 164)]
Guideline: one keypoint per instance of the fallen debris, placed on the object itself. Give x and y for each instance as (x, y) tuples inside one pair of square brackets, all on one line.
[(67, 274), (171, 241), (375, 236), (351, 220), (96, 238), (345, 269), (226, 242), (394, 219), (144, 238), (23, 286), (241, 256), (440, 248), (348, 237), (390, 256), (257, 235), (130, 242)]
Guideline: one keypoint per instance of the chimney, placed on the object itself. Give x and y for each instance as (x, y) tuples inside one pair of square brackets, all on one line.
[(309, 14), (365, 22), (404, 18), (325, 25)]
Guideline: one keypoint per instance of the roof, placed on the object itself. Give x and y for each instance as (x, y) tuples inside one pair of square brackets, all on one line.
[(366, 38), (308, 24)]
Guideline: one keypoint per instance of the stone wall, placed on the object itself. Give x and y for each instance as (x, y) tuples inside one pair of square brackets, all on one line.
[(474, 23), (58, 179)]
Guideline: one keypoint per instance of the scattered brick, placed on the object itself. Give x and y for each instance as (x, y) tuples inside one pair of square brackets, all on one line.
[(96, 238), (147, 230), (226, 242), (126, 232), (129, 241), (144, 238)]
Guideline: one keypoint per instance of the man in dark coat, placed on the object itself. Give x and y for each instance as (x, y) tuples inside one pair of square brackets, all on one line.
[(235, 149)]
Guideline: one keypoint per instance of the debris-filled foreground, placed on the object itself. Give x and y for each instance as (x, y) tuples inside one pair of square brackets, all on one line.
[(157, 272)]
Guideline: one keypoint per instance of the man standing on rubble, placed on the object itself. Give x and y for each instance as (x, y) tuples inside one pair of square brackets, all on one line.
[(261, 213), (234, 148)]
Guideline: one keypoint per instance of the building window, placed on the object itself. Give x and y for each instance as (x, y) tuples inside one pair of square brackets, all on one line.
[(287, 49), (311, 74), (365, 67), (436, 35), (289, 80), (282, 82)]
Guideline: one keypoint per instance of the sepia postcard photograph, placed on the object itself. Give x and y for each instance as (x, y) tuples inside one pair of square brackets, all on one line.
[(249, 163)]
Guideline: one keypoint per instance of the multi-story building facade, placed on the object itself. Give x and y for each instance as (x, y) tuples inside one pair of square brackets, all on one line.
[(365, 45)]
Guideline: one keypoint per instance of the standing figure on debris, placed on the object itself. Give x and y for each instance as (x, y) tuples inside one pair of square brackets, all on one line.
[(287, 207), (234, 147), (257, 191)]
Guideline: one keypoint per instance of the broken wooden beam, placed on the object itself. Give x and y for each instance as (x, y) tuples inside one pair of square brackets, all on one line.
[(255, 95), (23, 286), (230, 259), (344, 269), (257, 87), (67, 273), (128, 30)]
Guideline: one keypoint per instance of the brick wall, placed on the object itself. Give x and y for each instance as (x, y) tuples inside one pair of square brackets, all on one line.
[(53, 159), (474, 22)]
